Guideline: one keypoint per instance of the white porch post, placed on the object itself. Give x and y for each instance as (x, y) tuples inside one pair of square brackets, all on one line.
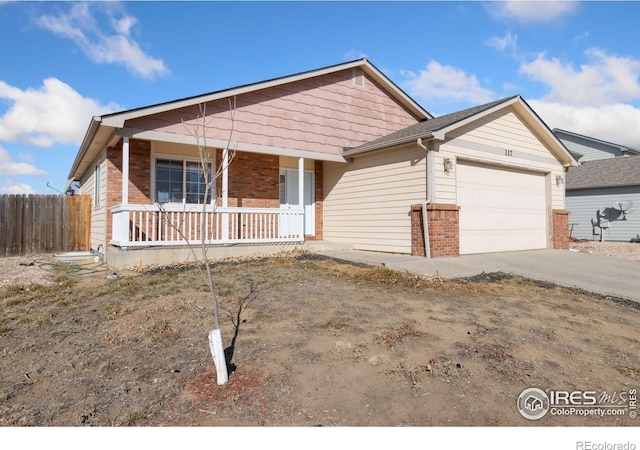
[(125, 170), (301, 196), (225, 192)]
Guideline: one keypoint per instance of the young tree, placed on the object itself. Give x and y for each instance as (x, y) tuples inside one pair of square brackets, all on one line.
[(207, 155)]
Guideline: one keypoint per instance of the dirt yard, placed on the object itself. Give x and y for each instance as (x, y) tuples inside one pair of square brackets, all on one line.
[(311, 342)]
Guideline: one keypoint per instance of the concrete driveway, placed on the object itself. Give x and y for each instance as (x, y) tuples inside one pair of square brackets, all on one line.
[(594, 273)]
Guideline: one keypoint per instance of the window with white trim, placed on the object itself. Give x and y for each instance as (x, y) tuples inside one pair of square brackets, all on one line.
[(96, 186), (181, 181)]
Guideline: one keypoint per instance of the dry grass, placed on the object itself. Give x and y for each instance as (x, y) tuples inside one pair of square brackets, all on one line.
[(392, 338), (310, 341)]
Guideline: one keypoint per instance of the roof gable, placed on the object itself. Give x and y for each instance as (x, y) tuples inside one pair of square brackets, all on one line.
[(437, 129), (103, 131), (317, 115), (117, 119), (425, 129), (620, 147)]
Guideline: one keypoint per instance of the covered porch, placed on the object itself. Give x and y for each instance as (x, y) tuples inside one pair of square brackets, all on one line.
[(255, 199)]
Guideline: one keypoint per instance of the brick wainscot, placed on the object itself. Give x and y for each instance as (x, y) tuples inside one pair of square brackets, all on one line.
[(444, 230)]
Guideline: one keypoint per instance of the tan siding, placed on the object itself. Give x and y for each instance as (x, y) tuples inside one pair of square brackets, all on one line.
[(169, 148), (98, 213), (287, 162), (368, 202), (487, 140), (445, 184), (323, 115)]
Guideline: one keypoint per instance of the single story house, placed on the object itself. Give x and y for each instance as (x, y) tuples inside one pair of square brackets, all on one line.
[(586, 148), (603, 196), (339, 154)]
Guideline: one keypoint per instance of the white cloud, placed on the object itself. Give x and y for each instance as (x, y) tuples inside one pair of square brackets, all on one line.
[(581, 37), (594, 99), (53, 113), (117, 47), (17, 188), (438, 81), (616, 122), (511, 87), (10, 167), (352, 55), (507, 43), (606, 79), (531, 11), (124, 25), (26, 157)]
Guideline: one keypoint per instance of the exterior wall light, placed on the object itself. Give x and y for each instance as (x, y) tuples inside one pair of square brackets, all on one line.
[(448, 165)]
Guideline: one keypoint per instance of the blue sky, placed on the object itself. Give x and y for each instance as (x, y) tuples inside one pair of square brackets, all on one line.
[(576, 63)]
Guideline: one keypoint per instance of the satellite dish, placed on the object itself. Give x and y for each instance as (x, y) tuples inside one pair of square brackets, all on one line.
[(623, 207)]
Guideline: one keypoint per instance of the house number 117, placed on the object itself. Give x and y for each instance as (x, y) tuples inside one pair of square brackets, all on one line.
[(508, 152)]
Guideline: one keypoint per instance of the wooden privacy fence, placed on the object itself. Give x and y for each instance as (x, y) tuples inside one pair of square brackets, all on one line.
[(34, 224)]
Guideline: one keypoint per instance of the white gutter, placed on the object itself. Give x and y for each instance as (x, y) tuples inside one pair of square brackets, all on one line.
[(425, 222), (383, 146)]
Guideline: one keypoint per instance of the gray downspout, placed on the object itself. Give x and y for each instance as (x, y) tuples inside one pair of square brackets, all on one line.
[(425, 222)]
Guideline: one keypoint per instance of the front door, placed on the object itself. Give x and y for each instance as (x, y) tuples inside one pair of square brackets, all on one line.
[(289, 200)]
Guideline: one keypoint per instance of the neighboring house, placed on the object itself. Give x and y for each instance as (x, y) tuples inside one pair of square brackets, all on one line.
[(595, 192), (339, 154), (585, 148)]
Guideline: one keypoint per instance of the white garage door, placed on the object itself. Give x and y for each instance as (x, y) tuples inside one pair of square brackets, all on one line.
[(500, 209)]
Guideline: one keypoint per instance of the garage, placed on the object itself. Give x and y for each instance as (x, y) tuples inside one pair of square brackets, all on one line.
[(501, 209), (486, 179)]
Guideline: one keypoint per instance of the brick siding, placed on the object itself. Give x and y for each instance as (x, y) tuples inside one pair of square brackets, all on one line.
[(444, 230), (139, 176), (253, 180), (318, 196), (561, 229)]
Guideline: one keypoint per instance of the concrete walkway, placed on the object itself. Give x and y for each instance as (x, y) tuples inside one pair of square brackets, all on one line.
[(594, 273)]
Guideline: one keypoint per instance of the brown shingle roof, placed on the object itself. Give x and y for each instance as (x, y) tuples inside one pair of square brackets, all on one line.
[(422, 129), (621, 171)]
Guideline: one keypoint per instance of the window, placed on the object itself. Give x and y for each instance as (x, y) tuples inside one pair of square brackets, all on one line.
[(96, 186), (169, 181), (181, 182), (195, 183)]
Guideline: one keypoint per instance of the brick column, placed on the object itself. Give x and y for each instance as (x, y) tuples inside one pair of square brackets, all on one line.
[(318, 195), (417, 235), (139, 176), (444, 230), (561, 229)]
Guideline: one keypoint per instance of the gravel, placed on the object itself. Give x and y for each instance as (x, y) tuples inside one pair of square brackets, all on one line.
[(26, 270), (622, 250)]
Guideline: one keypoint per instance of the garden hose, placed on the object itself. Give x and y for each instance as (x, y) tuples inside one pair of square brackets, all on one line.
[(75, 269)]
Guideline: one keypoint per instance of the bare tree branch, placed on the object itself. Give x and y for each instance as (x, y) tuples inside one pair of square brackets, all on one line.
[(206, 156)]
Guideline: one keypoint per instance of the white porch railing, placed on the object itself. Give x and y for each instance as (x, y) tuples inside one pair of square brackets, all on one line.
[(151, 225)]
